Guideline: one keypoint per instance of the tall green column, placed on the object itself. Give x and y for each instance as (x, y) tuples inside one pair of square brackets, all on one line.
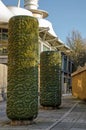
[(22, 89), (50, 78)]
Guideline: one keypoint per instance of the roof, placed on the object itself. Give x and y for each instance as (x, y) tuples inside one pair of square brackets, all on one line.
[(47, 34), (79, 70), (45, 27), (43, 23), (5, 14), (19, 11)]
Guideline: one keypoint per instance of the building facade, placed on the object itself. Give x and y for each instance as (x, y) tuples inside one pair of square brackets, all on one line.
[(48, 40)]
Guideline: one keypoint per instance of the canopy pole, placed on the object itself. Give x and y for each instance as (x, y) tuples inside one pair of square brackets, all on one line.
[(18, 3)]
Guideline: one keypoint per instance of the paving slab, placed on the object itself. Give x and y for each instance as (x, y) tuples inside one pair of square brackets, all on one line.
[(77, 129), (71, 115)]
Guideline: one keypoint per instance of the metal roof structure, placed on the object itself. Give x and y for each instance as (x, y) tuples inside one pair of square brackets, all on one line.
[(46, 31)]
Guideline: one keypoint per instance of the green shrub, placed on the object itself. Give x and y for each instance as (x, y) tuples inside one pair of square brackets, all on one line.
[(22, 89), (50, 78)]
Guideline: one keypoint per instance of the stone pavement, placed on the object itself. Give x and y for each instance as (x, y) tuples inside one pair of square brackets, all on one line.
[(71, 115)]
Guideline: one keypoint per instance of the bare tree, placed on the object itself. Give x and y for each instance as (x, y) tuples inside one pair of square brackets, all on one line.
[(78, 47)]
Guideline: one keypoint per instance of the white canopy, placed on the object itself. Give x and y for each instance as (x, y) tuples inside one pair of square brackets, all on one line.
[(46, 24), (5, 14), (19, 11)]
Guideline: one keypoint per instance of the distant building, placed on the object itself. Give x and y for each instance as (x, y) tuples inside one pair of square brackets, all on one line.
[(48, 40)]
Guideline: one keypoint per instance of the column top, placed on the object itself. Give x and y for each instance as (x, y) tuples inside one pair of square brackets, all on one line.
[(31, 4)]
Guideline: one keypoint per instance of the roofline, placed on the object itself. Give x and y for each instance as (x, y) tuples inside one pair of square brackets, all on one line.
[(57, 43)]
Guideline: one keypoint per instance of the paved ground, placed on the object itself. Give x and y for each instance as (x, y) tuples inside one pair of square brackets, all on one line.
[(70, 116)]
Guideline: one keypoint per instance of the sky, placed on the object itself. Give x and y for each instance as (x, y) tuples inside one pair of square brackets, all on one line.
[(65, 15)]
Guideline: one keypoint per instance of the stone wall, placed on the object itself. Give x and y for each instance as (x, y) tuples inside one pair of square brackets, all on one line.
[(3, 81)]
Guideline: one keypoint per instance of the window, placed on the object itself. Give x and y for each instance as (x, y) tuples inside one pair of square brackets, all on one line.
[(65, 64), (45, 48), (3, 41), (4, 34)]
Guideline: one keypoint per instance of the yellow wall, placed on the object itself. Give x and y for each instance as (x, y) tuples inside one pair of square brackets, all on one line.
[(79, 84)]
